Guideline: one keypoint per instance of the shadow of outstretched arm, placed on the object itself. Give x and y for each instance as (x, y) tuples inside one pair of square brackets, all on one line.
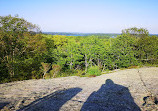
[(52, 102)]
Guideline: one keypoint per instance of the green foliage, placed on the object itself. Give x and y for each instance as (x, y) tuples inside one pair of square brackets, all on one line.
[(25, 53), (148, 49), (123, 53), (93, 71), (136, 32), (21, 49)]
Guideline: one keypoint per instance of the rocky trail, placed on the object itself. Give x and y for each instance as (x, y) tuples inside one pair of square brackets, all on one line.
[(122, 90)]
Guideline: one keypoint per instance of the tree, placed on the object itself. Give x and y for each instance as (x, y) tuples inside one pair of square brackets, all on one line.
[(123, 51), (87, 51), (137, 32), (73, 54), (18, 40), (147, 49), (106, 54)]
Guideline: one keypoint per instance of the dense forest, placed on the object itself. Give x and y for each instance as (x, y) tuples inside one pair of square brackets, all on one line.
[(26, 53)]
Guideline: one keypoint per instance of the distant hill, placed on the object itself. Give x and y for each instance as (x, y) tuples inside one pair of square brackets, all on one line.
[(110, 35), (100, 35)]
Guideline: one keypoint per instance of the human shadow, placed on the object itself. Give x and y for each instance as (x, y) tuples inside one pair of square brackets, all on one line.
[(110, 97), (52, 102)]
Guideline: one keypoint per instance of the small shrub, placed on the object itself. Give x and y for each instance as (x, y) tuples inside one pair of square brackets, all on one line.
[(45, 68), (55, 70), (36, 74), (131, 67), (80, 73), (47, 76), (67, 72), (93, 71)]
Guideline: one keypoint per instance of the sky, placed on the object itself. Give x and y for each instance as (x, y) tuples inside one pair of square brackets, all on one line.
[(85, 16)]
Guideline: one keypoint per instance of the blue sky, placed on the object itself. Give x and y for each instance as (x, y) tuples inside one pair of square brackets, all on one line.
[(96, 16)]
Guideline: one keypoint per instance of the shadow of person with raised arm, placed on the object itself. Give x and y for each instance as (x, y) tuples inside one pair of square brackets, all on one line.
[(2, 104), (110, 97), (52, 102)]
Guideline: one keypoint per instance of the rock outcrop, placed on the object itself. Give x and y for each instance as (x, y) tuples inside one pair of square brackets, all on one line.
[(130, 89)]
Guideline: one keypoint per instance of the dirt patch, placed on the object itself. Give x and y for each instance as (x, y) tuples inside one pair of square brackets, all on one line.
[(131, 89)]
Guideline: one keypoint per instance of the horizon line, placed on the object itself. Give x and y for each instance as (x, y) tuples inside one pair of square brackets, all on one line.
[(90, 32)]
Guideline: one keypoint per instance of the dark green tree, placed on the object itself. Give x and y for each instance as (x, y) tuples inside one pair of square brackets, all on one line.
[(137, 32), (19, 44)]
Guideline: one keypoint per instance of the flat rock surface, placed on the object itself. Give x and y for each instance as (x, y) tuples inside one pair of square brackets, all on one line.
[(121, 90)]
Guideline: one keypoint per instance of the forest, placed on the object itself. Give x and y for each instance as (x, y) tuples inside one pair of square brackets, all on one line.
[(27, 53)]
